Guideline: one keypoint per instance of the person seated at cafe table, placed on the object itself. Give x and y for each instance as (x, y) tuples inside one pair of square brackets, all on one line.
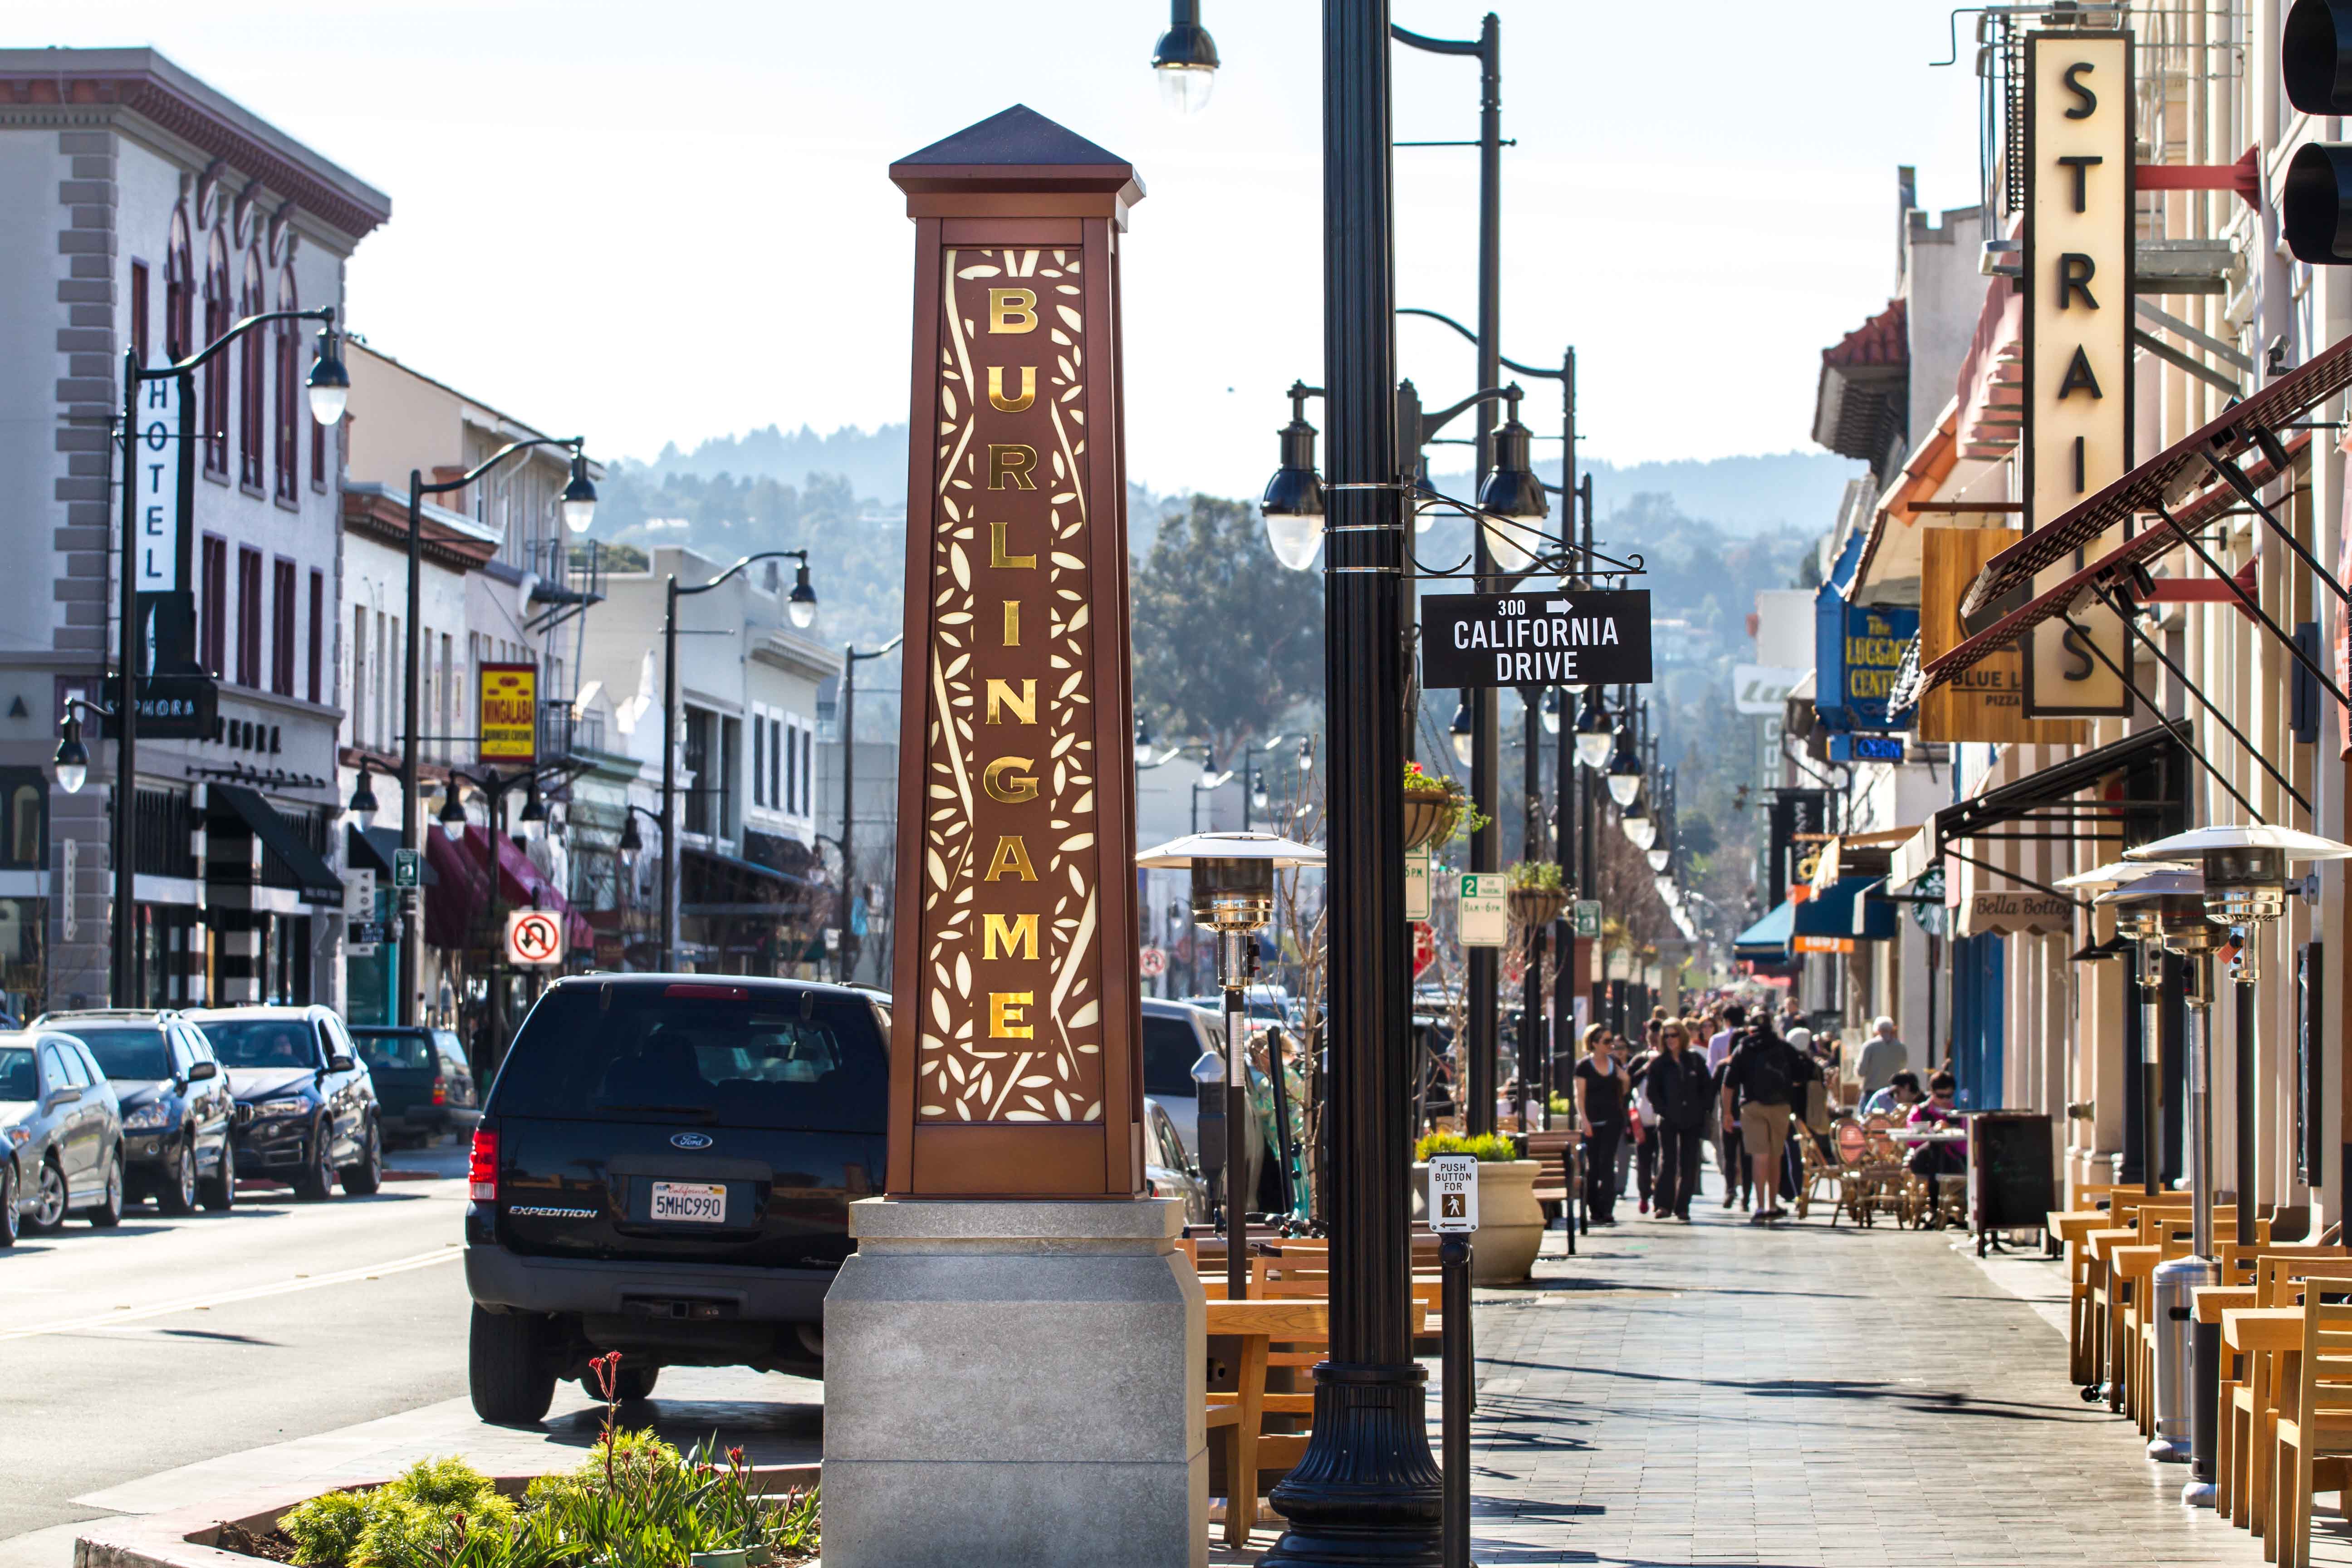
[(1937, 1112), (1896, 1099)]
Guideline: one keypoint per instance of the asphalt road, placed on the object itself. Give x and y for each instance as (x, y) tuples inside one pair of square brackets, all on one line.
[(172, 1341)]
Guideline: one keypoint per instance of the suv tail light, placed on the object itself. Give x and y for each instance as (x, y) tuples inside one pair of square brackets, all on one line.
[(482, 1166), (440, 1091)]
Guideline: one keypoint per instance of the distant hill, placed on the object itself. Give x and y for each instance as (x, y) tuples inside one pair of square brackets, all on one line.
[(1741, 495)]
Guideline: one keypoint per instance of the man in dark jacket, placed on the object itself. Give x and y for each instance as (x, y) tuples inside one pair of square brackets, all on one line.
[(1760, 1085), (1679, 1086)]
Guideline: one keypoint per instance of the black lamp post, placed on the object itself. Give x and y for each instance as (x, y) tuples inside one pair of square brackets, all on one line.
[(578, 506), (329, 385), (844, 957), (800, 608), (494, 787)]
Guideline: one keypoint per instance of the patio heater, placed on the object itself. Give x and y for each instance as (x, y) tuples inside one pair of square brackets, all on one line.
[(1233, 895), (2244, 884)]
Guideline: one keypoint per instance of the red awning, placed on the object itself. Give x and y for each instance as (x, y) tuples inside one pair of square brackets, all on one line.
[(2108, 569), (452, 907), (2167, 479)]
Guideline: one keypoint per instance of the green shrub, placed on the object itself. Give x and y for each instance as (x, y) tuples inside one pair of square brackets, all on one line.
[(1486, 1147), (1562, 1106), (325, 1529), (1542, 875)]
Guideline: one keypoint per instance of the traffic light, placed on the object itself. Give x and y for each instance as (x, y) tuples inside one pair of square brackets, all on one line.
[(2316, 67)]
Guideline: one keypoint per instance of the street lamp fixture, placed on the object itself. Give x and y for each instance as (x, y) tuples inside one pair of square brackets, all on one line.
[(1512, 497), (73, 757), (1594, 731), (1185, 60), (579, 503), (801, 608), (364, 806), (1624, 769), (1549, 711), (1293, 502), (1305, 753), (1142, 742), (1658, 859), (1464, 732), (533, 816), (1640, 828), (1258, 788), (452, 816), (329, 383)]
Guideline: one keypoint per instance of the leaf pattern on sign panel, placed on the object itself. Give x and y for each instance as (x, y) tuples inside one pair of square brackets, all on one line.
[(1031, 1055)]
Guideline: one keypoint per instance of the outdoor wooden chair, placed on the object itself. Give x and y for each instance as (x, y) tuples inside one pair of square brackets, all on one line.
[(1555, 1156), (2247, 1404), (2314, 1423)]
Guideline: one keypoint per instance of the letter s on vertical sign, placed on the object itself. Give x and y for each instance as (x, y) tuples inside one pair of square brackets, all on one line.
[(2083, 110)]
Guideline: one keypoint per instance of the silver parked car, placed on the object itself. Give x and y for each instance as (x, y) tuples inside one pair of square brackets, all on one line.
[(1169, 1167), (60, 1135), (1175, 1034)]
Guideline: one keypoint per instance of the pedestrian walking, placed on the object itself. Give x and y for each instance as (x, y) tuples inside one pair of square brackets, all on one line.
[(1644, 1123), (1730, 1154), (1882, 1057), (1679, 1087), (1760, 1084), (1601, 1093)]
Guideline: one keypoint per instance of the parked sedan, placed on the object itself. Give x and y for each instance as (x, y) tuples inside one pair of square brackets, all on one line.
[(423, 1087), (175, 1103), (306, 1108), (1167, 1165), (61, 1132)]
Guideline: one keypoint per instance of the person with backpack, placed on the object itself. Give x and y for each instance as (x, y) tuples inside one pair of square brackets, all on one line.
[(1762, 1081), (1678, 1086)]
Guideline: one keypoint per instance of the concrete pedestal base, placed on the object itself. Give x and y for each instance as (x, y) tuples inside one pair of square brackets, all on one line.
[(1014, 1384)]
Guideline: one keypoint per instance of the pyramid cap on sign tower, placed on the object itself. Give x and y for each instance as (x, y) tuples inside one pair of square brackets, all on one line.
[(1019, 150)]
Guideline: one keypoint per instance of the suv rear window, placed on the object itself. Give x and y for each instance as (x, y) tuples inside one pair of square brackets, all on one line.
[(621, 1053), (129, 1051), (393, 1048), (1169, 1049)]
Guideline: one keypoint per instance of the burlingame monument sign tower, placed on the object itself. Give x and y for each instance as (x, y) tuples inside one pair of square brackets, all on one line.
[(1014, 1355)]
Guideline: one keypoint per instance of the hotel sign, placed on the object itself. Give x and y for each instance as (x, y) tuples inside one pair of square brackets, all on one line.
[(1015, 1060), (2078, 315)]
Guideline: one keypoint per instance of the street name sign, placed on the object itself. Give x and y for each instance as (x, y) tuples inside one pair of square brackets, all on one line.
[(1453, 1194), (1597, 637), (1483, 910), (534, 938)]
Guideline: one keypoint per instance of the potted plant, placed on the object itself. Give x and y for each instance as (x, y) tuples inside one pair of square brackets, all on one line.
[(1511, 1220), (1537, 893), (1436, 808)]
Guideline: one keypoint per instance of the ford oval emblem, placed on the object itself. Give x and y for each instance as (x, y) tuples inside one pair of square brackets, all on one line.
[(689, 1140)]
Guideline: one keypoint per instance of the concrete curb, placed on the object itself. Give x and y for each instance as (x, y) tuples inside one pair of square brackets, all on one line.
[(185, 1538)]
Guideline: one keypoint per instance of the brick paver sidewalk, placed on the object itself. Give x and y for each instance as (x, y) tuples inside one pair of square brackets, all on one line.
[(1718, 1392)]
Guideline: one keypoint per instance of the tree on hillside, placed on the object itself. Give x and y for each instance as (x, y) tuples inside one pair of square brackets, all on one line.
[(1225, 638)]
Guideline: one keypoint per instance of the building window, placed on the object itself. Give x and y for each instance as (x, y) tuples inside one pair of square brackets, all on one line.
[(759, 751), (317, 630), (358, 699), (281, 627), (216, 320), (284, 445), (318, 455), (138, 312), (179, 290), (779, 776), (25, 796), (212, 622), (249, 617), (808, 770), (253, 372)]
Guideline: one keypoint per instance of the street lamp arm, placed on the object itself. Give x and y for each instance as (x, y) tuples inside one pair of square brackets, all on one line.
[(1435, 45), (798, 555), (576, 443), (325, 313), (1555, 373), (1431, 423), (878, 652)]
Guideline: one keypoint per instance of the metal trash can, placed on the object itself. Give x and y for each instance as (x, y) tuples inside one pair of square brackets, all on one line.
[(2172, 1290)]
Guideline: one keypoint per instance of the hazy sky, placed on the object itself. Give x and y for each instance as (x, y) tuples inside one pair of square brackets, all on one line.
[(665, 221)]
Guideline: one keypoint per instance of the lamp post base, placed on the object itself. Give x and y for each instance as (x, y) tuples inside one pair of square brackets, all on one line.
[(1015, 1386), (1367, 1489)]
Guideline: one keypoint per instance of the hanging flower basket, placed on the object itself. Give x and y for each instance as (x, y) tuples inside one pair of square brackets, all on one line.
[(1433, 807), (1536, 906)]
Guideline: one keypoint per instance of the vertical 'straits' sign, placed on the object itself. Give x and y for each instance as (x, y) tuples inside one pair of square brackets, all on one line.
[(1016, 1066), (2078, 316)]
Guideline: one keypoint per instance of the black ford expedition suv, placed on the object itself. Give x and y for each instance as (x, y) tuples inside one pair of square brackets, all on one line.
[(664, 1168)]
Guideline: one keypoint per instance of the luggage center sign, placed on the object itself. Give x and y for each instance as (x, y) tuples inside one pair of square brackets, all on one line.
[(1600, 637)]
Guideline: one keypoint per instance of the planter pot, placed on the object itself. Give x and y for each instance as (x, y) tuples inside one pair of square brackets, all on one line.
[(1510, 1220), (1536, 906), (1427, 817)]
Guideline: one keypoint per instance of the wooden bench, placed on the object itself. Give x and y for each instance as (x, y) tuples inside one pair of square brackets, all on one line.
[(1555, 1154), (1245, 1447)]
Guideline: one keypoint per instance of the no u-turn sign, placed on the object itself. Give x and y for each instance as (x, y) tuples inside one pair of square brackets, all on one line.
[(534, 938)]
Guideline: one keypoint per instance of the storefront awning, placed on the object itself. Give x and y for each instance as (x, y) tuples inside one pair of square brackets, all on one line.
[(373, 848), (1767, 941), (1840, 910), (2172, 477), (317, 880), (2059, 783), (462, 888)]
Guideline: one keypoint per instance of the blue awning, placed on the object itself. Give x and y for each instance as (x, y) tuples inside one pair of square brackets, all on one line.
[(1768, 939), (1842, 911)]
